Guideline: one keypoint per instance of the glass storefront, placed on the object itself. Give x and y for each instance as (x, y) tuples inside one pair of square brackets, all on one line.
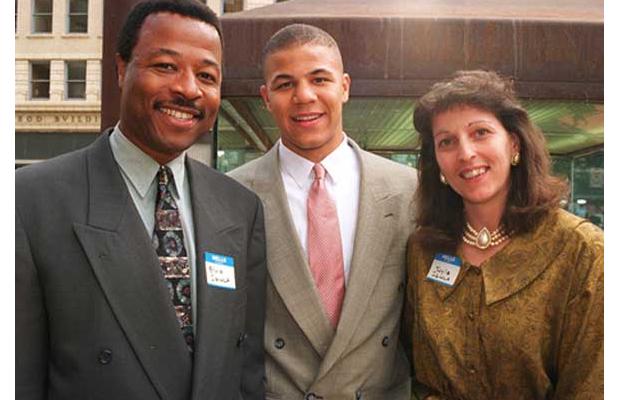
[(384, 126), (585, 173)]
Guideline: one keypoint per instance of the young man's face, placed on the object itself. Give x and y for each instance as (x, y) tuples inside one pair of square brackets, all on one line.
[(170, 88), (305, 88)]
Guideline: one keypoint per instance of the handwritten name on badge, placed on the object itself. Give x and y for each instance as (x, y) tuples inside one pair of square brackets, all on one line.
[(444, 269), (220, 270)]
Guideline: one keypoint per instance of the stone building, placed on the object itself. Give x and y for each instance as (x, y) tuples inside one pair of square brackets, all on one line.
[(58, 63), (57, 76)]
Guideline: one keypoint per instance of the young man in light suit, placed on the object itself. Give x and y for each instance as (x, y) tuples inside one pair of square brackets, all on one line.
[(140, 273), (336, 235)]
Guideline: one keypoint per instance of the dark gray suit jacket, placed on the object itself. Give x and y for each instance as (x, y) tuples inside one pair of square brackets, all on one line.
[(93, 316)]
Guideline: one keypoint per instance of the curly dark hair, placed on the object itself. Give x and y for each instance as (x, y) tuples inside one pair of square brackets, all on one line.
[(533, 190), (128, 35)]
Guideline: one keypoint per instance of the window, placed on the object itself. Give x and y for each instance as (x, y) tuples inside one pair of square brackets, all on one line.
[(40, 79), (78, 16), (76, 79), (42, 16), (231, 6)]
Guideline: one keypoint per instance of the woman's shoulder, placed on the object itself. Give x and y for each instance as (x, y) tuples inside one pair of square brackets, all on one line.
[(417, 254), (582, 242), (577, 230)]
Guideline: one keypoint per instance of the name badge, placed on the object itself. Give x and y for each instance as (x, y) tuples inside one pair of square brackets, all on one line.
[(220, 270), (444, 269)]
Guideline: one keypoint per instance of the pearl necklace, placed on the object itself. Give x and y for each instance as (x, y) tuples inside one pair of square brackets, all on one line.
[(484, 239)]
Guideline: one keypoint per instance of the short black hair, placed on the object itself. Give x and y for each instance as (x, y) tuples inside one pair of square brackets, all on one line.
[(189, 8), (297, 35)]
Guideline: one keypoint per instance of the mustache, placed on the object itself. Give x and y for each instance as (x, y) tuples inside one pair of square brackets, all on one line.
[(180, 101)]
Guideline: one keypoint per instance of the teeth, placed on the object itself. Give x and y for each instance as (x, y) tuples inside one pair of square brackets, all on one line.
[(306, 117), (474, 172), (177, 114)]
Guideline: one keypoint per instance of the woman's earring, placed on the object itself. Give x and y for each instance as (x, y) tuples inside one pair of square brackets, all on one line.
[(443, 179), (515, 159)]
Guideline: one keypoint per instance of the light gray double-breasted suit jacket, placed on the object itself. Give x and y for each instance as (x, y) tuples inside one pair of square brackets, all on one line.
[(362, 359), (94, 318)]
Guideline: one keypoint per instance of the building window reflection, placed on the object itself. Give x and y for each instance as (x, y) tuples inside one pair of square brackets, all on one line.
[(78, 16), (231, 6), (39, 79), (76, 79), (42, 16)]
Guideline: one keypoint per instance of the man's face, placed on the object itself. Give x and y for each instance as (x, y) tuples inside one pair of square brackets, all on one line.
[(305, 88), (170, 88)]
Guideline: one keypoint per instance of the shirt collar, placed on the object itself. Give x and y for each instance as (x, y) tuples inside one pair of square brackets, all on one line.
[(300, 168), (520, 262), (139, 167), (336, 160)]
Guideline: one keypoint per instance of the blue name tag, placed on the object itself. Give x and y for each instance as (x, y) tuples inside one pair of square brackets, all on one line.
[(220, 270), (444, 269)]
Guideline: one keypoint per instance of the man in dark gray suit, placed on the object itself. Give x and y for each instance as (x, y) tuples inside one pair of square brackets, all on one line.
[(140, 273)]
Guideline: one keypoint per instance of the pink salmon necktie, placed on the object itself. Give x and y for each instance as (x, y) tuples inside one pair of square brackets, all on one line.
[(325, 246)]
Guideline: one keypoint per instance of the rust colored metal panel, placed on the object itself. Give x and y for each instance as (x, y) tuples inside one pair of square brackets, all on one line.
[(433, 49), (554, 48), (552, 10), (551, 52), (398, 47), (490, 45), (241, 55), (363, 55)]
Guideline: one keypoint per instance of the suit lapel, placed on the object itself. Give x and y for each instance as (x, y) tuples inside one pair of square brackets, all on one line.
[(214, 232), (375, 217), (287, 265), (122, 258)]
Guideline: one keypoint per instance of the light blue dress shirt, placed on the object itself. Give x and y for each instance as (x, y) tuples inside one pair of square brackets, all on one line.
[(140, 172)]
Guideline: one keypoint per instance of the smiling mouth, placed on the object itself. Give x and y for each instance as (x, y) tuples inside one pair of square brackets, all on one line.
[(306, 117), (185, 116), (474, 172)]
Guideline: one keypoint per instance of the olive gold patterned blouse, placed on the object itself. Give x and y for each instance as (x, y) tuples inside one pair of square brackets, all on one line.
[(526, 324)]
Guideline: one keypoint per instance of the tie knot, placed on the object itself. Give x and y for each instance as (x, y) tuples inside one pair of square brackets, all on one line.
[(319, 171), (164, 175)]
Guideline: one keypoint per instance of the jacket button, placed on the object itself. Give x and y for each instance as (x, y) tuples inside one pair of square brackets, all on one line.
[(358, 395), (241, 339), (105, 356), (385, 341), (312, 396), (279, 343)]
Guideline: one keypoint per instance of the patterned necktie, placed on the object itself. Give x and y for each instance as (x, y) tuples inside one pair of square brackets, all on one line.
[(325, 246), (168, 243)]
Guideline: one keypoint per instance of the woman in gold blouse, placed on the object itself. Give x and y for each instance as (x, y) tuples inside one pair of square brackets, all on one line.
[(505, 288)]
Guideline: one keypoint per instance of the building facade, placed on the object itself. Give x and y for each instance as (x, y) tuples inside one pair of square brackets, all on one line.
[(58, 47), (58, 51)]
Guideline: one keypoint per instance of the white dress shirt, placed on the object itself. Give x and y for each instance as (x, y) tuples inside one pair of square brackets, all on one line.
[(342, 180), (140, 174)]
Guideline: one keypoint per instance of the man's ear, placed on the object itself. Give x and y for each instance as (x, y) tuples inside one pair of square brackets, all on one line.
[(264, 93), (346, 85), (121, 68)]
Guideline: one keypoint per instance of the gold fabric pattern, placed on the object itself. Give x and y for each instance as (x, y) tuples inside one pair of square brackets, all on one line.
[(527, 324)]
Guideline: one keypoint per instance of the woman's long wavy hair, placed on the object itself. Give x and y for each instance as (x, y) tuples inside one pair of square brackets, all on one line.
[(533, 190)]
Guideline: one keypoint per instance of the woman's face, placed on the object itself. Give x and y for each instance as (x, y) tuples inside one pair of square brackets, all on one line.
[(474, 151)]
